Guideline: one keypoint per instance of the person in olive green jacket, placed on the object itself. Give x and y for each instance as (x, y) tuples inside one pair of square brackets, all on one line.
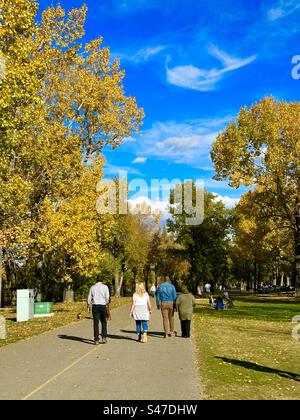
[(185, 303)]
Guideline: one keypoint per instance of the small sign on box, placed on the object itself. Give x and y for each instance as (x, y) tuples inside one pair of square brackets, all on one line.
[(43, 309)]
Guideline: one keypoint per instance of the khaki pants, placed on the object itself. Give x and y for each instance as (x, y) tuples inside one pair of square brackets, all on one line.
[(168, 318)]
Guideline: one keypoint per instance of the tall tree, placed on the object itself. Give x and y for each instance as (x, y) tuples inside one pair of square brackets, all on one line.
[(256, 243), (261, 148), (61, 102), (205, 244), (18, 96)]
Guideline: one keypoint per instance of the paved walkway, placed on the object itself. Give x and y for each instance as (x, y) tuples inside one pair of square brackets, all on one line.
[(64, 364)]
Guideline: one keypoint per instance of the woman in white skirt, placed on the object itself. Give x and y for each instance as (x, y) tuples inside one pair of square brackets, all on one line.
[(140, 311)]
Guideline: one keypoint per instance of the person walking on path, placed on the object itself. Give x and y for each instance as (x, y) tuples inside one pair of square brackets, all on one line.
[(165, 299), (185, 304), (141, 311), (153, 290), (99, 298)]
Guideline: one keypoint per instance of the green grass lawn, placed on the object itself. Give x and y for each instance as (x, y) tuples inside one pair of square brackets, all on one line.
[(64, 313), (248, 352)]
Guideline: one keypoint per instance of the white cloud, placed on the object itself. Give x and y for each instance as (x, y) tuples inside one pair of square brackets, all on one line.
[(142, 55), (110, 169), (283, 9), (157, 206), (161, 207), (192, 77), (229, 202), (212, 184), (188, 142), (139, 160)]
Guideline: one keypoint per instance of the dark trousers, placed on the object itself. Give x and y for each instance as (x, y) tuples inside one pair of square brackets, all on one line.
[(99, 314), (185, 328)]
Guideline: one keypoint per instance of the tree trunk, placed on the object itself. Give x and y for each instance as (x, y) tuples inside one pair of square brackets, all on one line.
[(147, 275), (274, 280), (118, 283), (255, 275), (156, 279), (278, 277), (38, 279), (69, 293), (10, 278), (259, 275)]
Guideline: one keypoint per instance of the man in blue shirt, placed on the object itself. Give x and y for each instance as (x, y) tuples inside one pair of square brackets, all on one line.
[(165, 298)]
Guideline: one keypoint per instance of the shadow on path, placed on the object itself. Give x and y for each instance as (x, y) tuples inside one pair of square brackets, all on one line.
[(260, 368), (150, 333), (72, 338), (120, 337), (89, 341)]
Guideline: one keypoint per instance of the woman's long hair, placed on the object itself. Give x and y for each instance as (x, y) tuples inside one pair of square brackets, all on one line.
[(140, 289)]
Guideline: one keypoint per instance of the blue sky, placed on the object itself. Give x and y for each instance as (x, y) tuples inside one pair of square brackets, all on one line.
[(191, 65)]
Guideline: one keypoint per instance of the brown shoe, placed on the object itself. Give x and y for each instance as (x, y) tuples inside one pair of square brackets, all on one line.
[(104, 340)]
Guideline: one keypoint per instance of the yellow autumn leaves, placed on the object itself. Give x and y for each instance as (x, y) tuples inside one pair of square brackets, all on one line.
[(261, 149), (61, 102)]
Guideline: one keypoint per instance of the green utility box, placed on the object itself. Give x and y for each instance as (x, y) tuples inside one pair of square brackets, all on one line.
[(43, 308)]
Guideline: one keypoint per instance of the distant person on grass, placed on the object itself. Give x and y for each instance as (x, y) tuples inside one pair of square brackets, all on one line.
[(185, 304), (229, 301), (219, 304), (99, 298), (165, 299), (141, 311), (207, 288)]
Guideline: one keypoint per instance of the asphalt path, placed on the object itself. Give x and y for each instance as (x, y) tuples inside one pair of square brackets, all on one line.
[(64, 364)]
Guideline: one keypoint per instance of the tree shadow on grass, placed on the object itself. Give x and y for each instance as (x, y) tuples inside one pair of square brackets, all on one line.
[(72, 338), (260, 368)]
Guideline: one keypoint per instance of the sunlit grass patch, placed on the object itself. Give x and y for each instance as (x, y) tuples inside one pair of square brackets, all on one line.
[(248, 352)]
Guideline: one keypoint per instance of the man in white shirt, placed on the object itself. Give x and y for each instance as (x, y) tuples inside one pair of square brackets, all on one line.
[(99, 297), (207, 288)]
